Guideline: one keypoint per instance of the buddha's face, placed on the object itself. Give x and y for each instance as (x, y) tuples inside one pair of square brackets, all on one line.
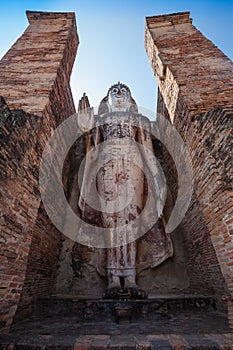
[(119, 98)]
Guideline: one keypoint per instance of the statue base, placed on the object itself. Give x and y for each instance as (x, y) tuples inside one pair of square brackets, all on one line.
[(109, 310)]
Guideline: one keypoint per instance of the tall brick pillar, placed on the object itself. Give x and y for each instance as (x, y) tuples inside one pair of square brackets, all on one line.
[(196, 90), (35, 97)]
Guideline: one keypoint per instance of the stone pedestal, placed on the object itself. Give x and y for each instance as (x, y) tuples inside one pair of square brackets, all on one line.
[(103, 310)]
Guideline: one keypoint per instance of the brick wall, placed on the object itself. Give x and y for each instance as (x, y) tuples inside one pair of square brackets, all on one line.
[(203, 267), (196, 84), (35, 76)]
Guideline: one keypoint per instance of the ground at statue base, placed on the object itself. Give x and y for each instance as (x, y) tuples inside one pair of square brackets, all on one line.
[(122, 341), (178, 331)]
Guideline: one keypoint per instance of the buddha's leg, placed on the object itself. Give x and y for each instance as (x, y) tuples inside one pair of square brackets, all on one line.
[(121, 263), (129, 251), (130, 284), (108, 193), (113, 271)]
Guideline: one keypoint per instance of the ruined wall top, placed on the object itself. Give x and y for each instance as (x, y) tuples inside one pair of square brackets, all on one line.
[(50, 17), (187, 65), (40, 60), (168, 20)]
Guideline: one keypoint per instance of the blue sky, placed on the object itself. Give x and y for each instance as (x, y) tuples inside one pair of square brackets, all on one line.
[(112, 39)]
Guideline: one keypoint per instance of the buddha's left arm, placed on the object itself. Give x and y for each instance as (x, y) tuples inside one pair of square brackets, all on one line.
[(154, 173)]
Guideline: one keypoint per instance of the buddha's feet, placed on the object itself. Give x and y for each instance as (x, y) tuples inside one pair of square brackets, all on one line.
[(113, 292), (135, 292)]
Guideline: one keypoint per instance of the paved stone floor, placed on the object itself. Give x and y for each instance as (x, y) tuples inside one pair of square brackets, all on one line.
[(179, 331)]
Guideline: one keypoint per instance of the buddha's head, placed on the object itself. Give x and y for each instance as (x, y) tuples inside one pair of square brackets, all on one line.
[(118, 99)]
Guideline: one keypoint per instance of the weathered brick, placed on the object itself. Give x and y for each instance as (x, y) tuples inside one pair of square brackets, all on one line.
[(199, 104), (35, 76)]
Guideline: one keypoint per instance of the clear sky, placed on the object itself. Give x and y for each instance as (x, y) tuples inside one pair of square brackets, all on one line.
[(112, 39)]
